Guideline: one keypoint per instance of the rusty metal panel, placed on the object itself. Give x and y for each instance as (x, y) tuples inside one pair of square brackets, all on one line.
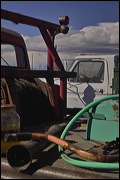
[(47, 172)]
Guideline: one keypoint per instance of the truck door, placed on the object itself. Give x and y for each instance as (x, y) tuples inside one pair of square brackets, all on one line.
[(91, 82)]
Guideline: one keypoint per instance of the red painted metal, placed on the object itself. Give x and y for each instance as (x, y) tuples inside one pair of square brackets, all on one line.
[(51, 48), (63, 91), (47, 30), (49, 58), (42, 25), (19, 18)]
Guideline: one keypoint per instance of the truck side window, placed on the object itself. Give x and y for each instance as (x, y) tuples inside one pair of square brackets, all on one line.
[(12, 55), (74, 79), (89, 71), (8, 55)]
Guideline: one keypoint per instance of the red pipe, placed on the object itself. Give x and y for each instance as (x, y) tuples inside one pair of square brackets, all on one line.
[(63, 92), (49, 58)]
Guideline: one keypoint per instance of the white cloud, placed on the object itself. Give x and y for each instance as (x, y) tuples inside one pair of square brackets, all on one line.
[(102, 39), (35, 43)]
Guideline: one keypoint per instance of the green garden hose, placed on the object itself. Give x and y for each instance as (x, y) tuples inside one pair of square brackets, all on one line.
[(80, 163)]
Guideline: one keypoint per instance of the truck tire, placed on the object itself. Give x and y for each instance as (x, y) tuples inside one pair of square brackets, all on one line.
[(34, 103)]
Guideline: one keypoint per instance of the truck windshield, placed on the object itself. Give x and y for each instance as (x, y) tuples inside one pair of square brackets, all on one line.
[(89, 71), (68, 63)]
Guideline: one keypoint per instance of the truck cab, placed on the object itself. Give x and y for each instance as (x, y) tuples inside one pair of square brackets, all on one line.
[(13, 49), (93, 80)]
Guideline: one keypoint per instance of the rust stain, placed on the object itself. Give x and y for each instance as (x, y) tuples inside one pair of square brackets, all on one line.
[(115, 107)]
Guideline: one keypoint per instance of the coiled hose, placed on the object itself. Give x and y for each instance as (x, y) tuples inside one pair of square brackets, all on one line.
[(85, 164)]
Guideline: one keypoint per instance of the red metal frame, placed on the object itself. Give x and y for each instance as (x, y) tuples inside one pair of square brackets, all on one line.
[(43, 27), (47, 30), (12, 39)]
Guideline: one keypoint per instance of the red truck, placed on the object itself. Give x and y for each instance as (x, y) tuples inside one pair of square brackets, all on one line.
[(35, 100)]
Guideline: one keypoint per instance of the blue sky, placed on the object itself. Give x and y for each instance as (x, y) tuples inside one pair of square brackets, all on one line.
[(81, 13), (94, 26)]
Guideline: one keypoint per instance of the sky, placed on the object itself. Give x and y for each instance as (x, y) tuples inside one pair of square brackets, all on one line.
[(93, 27)]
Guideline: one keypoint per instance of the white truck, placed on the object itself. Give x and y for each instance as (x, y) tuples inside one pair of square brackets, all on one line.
[(93, 79)]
